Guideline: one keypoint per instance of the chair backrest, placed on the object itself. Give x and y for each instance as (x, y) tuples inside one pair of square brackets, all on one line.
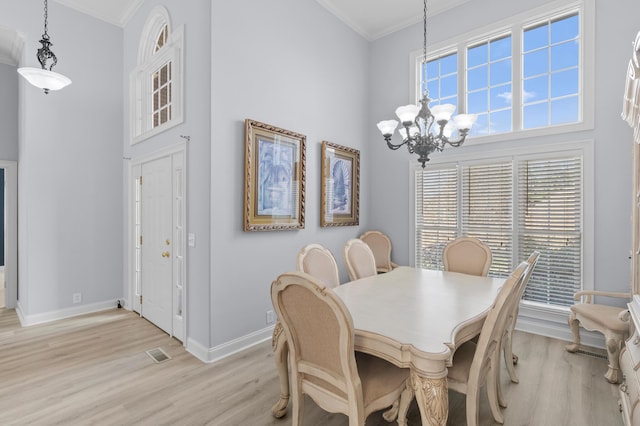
[(513, 314), (319, 331), (380, 245), (532, 261), (319, 262), (468, 255), (494, 327), (359, 259)]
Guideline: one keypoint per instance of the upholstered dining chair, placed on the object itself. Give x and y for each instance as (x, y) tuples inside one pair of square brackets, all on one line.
[(605, 319), (468, 255), (509, 358), (477, 364), (323, 361), (319, 262), (380, 245), (359, 259)]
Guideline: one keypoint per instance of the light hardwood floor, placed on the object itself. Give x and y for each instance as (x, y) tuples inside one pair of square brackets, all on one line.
[(93, 370)]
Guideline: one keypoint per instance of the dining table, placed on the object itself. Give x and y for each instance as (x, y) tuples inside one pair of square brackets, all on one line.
[(414, 318)]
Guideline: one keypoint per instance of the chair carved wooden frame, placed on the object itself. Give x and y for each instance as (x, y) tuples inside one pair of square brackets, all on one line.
[(611, 321), (510, 358), (380, 245), (317, 261), (359, 259)]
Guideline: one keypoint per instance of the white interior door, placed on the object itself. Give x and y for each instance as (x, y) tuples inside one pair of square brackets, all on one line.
[(157, 248)]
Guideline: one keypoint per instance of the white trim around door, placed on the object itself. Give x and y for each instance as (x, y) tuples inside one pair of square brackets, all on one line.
[(133, 249)]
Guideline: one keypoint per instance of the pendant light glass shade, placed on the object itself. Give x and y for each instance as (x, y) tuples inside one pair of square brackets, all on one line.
[(44, 79)]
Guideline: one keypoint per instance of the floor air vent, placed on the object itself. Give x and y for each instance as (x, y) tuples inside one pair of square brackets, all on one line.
[(158, 355), (591, 354)]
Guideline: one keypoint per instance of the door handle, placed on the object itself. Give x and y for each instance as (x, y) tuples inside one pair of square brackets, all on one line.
[(166, 254)]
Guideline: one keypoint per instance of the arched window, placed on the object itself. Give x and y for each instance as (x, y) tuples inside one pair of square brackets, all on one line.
[(156, 83)]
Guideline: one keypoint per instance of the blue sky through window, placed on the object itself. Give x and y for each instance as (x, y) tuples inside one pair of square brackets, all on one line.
[(489, 86), (551, 73), (549, 84)]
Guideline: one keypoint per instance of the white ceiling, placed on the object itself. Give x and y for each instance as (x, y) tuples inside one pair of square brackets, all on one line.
[(116, 12), (371, 19)]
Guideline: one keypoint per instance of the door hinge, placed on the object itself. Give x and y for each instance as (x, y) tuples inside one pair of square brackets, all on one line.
[(140, 239), (141, 299), (140, 180)]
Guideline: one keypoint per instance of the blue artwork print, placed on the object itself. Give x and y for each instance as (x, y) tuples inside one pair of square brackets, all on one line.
[(275, 168), (341, 190)]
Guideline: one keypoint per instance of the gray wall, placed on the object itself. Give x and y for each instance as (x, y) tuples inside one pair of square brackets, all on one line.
[(616, 26), (70, 192), (291, 64), (8, 112)]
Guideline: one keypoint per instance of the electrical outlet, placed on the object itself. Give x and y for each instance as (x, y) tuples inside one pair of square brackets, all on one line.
[(271, 317), (77, 297)]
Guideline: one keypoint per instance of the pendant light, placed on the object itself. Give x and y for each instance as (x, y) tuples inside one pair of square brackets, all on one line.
[(44, 78)]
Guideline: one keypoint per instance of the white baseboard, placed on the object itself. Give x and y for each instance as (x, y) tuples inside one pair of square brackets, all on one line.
[(27, 320), (224, 350)]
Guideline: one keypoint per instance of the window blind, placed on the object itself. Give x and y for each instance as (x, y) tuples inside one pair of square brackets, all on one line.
[(487, 210), (515, 206), (436, 214), (550, 220)]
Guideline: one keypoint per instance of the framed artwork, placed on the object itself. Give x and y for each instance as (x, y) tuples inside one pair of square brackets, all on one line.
[(274, 178), (340, 187)]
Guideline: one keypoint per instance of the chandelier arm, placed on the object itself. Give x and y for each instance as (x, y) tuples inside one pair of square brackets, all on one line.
[(392, 146), (458, 142)]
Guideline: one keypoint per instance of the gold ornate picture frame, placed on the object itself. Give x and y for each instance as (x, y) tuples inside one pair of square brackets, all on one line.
[(274, 178), (340, 185)]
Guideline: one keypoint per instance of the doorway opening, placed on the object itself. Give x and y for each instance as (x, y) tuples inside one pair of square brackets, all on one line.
[(2, 242), (8, 234)]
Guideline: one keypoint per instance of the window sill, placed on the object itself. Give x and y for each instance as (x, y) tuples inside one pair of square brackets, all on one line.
[(156, 131), (530, 133)]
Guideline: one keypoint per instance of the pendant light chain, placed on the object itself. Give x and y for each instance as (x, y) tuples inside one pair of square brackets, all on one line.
[(46, 13), (424, 46)]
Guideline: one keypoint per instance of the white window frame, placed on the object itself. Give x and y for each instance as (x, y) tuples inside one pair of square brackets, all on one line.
[(536, 312), (515, 26), (140, 79)]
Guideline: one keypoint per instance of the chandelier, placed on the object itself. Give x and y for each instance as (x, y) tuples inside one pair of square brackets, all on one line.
[(426, 129), (44, 78)]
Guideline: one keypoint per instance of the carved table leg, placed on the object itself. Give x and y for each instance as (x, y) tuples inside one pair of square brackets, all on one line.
[(574, 325), (281, 354), (432, 398)]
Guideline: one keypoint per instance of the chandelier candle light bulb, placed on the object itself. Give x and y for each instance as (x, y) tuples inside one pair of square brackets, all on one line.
[(417, 130)]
